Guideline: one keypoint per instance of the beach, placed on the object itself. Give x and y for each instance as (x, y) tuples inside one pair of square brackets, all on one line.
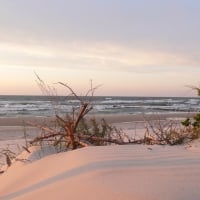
[(99, 100), (107, 172), (14, 128)]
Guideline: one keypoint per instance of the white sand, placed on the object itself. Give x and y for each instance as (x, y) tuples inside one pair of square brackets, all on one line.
[(110, 172)]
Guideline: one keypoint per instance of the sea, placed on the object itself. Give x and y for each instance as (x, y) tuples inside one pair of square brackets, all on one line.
[(14, 106)]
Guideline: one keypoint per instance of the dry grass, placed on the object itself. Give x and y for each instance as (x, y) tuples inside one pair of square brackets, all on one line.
[(169, 133)]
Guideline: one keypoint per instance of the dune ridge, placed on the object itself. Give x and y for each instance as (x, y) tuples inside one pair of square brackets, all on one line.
[(108, 172)]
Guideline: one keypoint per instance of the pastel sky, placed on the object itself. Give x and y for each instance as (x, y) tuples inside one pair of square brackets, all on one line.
[(131, 48)]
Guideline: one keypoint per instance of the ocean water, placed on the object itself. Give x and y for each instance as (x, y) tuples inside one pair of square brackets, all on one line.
[(12, 106)]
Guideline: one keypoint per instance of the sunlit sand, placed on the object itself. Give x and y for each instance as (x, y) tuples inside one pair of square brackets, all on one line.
[(108, 172)]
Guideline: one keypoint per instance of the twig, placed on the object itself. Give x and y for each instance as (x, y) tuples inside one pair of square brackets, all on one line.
[(71, 90)]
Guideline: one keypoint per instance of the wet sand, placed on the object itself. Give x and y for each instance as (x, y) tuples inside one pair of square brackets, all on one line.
[(13, 128), (111, 118)]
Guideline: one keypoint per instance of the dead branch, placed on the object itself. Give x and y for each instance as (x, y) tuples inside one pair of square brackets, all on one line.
[(71, 90), (8, 160), (82, 113), (26, 149), (92, 89), (69, 130), (44, 128), (41, 138), (94, 138)]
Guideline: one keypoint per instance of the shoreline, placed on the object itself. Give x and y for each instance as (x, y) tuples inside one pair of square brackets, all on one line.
[(110, 118), (14, 128)]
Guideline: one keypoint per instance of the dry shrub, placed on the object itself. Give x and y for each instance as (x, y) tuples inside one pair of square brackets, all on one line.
[(72, 130), (169, 132)]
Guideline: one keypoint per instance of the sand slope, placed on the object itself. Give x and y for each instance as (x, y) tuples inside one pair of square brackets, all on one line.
[(111, 172)]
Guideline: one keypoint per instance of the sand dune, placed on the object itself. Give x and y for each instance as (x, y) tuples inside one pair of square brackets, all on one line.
[(108, 172)]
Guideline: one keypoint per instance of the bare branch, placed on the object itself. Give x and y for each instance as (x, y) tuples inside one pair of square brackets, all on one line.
[(45, 128), (71, 90), (92, 89), (40, 138)]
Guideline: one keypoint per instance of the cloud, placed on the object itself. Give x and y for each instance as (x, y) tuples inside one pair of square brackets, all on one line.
[(95, 56), (101, 35)]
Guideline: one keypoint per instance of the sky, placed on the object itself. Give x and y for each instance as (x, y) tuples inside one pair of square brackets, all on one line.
[(129, 47)]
